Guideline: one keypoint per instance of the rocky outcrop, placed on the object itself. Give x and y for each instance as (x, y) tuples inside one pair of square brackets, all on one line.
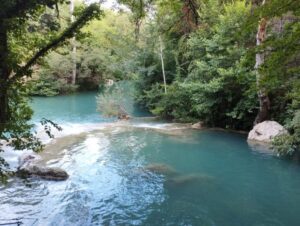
[(29, 166), (198, 125), (266, 131), (109, 82)]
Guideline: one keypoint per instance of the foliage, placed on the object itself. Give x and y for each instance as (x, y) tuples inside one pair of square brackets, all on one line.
[(49, 85), (289, 145), (217, 87), (18, 134), (103, 52), (111, 101), (281, 68)]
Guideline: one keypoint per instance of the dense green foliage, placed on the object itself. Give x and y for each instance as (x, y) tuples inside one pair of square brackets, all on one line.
[(289, 145), (103, 52), (213, 81)]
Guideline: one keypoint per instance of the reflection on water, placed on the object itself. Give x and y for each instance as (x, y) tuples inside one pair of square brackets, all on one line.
[(136, 176)]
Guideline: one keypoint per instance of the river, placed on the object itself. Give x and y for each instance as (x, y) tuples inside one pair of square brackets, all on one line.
[(150, 173)]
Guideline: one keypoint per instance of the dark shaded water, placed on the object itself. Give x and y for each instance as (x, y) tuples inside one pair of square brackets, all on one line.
[(136, 175)]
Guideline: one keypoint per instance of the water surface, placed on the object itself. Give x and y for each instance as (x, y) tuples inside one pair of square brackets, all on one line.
[(144, 174)]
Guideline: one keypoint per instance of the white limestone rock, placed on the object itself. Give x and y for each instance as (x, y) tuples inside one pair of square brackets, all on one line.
[(198, 125), (266, 131)]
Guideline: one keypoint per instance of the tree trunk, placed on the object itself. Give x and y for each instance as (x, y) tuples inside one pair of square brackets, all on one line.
[(3, 108), (137, 29), (73, 42), (4, 76), (264, 101), (162, 63)]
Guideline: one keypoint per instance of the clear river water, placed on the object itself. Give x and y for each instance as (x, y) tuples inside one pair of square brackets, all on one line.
[(150, 173)]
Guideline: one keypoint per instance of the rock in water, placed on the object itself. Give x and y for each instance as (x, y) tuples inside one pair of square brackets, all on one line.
[(47, 173), (266, 131), (122, 114), (28, 166)]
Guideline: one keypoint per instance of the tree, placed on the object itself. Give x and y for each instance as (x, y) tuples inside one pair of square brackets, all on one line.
[(139, 9), (73, 45), (279, 71), (20, 49), (162, 63), (264, 101)]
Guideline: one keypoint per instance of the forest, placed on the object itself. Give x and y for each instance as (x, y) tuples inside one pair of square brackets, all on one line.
[(150, 102)]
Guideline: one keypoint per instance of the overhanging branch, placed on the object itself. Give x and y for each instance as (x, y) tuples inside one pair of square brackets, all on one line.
[(91, 12)]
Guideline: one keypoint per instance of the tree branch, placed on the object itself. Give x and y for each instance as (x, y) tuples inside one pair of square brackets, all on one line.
[(91, 12)]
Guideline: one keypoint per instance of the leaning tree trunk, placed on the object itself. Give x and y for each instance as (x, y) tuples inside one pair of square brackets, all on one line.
[(162, 63), (264, 101), (73, 42)]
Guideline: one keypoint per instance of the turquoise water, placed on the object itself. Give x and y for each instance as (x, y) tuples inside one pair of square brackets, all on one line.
[(70, 108), (147, 174), (82, 107), (76, 108)]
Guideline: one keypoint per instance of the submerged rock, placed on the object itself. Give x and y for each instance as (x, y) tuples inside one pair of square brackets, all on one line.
[(170, 132), (188, 179), (29, 166), (266, 131), (261, 147), (161, 169)]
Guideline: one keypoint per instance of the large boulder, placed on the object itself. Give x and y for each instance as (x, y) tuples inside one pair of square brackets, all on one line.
[(47, 173), (266, 131), (29, 166)]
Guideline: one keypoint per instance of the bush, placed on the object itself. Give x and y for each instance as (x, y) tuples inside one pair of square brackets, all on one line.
[(111, 102), (49, 85), (289, 145)]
